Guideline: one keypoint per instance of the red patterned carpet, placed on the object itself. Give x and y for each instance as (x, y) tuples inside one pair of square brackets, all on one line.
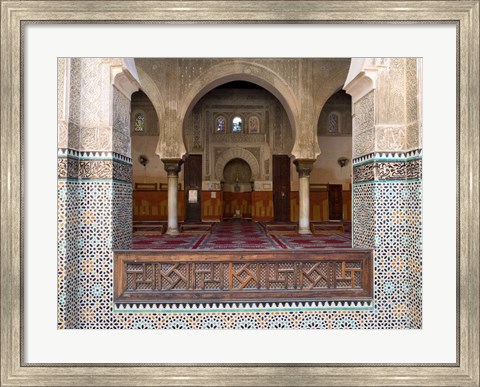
[(238, 235), (317, 241), (166, 242), (241, 235)]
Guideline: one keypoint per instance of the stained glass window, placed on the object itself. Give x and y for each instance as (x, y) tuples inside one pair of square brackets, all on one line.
[(253, 125), (139, 124), (236, 125), (220, 124), (333, 123)]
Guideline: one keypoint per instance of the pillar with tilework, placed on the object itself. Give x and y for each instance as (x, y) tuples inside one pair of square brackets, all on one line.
[(387, 200), (94, 184)]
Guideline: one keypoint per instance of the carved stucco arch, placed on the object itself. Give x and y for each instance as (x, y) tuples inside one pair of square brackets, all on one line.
[(236, 153), (334, 84), (166, 135), (320, 107), (241, 70), (148, 86)]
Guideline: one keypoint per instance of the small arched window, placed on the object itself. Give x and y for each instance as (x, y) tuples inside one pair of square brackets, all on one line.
[(139, 123), (220, 124), (333, 123), (237, 125)]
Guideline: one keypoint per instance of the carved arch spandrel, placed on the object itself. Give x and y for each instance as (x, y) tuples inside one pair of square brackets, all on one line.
[(241, 70)]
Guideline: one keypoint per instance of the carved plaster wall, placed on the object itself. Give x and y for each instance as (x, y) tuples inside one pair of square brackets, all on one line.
[(364, 125), (94, 105), (121, 123), (414, 103), (236, 153), (339, 104), (272, 128), (183, 82), (142, 104), (387, 106)]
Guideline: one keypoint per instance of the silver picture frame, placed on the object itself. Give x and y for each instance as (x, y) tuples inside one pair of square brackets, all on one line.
[(16, 14)]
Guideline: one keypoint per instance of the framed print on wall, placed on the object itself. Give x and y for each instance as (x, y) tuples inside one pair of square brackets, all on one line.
[(22, 30)]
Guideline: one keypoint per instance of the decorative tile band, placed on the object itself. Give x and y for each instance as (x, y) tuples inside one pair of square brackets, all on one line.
[(245, 307), (393, 156), (72, 168), (92, 155), (409, 169)]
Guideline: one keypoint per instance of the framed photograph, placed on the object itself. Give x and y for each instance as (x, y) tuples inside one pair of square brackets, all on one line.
[(193, 196), (35, 352)]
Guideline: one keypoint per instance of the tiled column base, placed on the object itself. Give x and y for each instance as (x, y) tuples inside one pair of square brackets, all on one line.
[(387, 216), (100, 216), (68, 230)]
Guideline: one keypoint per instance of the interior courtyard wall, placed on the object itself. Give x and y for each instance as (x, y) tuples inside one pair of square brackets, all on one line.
[(326, 169), (334, 132), (386, 218), (144, 142)]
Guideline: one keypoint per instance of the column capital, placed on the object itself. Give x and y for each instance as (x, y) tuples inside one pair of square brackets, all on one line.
[(172, 166), (304, 166)]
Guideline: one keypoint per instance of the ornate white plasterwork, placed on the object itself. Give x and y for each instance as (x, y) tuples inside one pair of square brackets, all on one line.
[(246, 71), (363, 75), (390, 138), (124, 81)]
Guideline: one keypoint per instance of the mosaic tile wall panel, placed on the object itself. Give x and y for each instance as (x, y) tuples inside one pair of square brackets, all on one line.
[(387, 217), (415, 233), (106, 224), (94, 216), (68, 230)]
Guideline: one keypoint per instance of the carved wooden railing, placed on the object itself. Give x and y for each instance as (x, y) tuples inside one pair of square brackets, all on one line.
[(231, 276)]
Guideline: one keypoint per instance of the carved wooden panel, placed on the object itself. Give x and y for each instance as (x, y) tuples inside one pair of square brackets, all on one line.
[(335, 202), (185, 276), (281, 187), (193, 186)]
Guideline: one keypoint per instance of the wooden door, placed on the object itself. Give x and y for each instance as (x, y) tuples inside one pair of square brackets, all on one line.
[(335, 202), (281, 188), (193, 188)]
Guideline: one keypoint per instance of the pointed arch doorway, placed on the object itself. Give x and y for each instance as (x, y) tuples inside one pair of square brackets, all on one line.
[(237, 190)]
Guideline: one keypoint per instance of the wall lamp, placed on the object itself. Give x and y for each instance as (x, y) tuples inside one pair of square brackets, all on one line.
[(342, 161)]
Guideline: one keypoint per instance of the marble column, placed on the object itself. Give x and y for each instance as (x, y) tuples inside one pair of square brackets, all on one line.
[(304, 168), (172, 166)]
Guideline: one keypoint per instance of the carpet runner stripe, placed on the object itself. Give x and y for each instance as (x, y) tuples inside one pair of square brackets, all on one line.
[(279, 242), (195, 246)]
